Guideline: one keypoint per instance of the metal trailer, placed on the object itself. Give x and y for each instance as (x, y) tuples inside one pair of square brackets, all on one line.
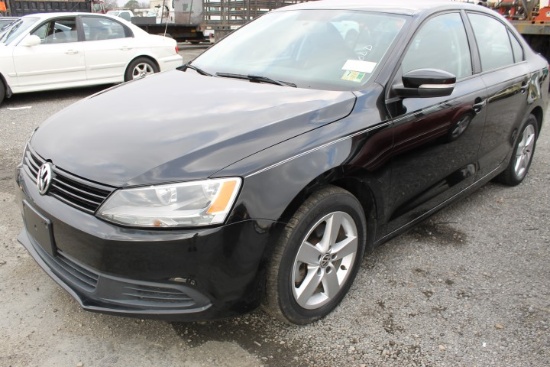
[(182, 21), (180, 32), (18, 8), (536, 34), (224, 16), (532, 19)]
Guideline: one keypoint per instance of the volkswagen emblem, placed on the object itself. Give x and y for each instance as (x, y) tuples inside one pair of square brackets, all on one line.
[(44, 178), (325, 260)]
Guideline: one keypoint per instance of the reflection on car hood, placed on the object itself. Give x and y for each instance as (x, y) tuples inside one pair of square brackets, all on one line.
[(178, 126)]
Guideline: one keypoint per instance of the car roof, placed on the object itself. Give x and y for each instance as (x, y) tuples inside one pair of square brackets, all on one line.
[(62, 14), (406, 7)]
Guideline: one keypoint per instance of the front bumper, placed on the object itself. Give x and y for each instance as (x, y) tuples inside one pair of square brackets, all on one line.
[(179, 275)]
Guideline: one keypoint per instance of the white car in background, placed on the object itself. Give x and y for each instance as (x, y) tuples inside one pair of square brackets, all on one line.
[(124, 14), (65, 50)]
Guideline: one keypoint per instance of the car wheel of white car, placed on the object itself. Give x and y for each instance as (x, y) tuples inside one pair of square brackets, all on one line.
[(2, 91), (140, 68)]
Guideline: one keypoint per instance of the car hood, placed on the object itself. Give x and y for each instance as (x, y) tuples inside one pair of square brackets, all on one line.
[(177, 126)]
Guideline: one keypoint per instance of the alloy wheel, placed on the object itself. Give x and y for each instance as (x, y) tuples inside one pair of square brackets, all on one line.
[(524, 151), (141, 70), (324, 260)]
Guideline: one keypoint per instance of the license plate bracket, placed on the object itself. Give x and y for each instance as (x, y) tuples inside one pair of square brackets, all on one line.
[(39, 228)]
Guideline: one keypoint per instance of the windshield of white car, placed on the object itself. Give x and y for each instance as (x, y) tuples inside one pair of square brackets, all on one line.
[(19, 27), (5, 22), (318, 49)]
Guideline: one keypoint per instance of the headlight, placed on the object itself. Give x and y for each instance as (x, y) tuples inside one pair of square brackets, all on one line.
[(190, 204)]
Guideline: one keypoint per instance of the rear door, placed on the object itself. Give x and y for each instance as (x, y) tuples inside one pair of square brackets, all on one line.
[(108, 48), (436, 139), (506, 76)]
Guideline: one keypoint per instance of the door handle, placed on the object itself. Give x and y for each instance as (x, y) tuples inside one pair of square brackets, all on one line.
[(479, 104), (125, 48), (71, 52)]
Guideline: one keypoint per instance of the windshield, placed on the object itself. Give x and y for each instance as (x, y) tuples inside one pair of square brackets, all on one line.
[(5, 22), (13, 31), (320, 49)]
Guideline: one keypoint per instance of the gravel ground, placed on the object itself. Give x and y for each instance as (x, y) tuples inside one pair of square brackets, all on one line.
[(469, 287)]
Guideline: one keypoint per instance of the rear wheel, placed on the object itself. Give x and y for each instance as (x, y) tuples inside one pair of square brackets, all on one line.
[(523, 154), (317, 257), (140, 68)]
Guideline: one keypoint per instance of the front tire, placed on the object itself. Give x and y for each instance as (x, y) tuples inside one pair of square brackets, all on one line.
[(140, 68), (524, 150), (316, 258)]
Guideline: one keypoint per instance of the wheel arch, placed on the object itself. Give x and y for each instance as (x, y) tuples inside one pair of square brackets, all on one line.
[(358, 185), (7, 88), (539, 115)]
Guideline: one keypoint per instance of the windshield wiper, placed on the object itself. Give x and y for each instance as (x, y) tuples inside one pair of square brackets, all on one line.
[(256, 79), (193, 67)]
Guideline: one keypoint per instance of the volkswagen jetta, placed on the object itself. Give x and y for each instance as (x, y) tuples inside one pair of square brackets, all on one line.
[(263, 170)]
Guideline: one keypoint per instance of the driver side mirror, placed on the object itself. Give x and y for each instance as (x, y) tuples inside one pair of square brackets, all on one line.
[(30, 40), (426, 83)]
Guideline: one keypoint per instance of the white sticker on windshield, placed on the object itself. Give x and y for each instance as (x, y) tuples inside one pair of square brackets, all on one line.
[(359, 65)]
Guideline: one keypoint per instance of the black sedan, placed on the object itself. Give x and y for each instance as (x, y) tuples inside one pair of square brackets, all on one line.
[(263, 171)]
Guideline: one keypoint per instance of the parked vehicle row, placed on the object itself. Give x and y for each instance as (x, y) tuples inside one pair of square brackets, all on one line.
[(63, 50)]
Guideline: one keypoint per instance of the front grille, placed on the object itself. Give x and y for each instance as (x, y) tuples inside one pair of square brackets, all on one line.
[(78, 275), (72, 190)]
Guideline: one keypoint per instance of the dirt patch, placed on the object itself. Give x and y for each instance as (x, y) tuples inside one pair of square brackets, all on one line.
[(440, 232)]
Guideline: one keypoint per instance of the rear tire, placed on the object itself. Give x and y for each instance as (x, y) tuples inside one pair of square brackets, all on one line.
[(522, 156), (316, 258), (140, 68)]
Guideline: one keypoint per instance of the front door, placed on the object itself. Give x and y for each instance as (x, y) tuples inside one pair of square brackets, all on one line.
[(55, 63), (436, 140)]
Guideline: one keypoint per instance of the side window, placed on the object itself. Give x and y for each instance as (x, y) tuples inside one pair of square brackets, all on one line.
[(493, 42), (96, 29), (57, 31), (516, 48), (441, 43), (42, 31)]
